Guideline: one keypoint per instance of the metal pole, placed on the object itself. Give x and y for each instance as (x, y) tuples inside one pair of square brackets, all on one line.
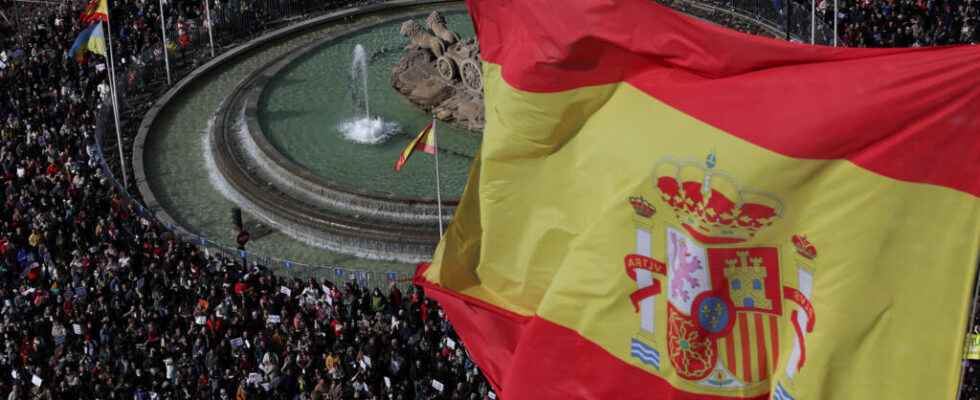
[(163, 32), (20, 29), (813, 21), (115, 105), (789, 11), (973, 318), (835, 23), (207, 12), (435, 144)]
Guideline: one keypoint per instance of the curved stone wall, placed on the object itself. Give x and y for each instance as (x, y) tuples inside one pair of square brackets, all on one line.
[(406, 230)]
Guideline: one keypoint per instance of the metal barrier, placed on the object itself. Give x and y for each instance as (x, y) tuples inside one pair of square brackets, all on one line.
[(787, 16)]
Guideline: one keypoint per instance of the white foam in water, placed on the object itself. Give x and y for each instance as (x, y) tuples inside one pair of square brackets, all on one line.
[(368, 130), (301, 234)]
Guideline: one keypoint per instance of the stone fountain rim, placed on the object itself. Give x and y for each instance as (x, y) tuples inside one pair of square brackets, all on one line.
[(262, 77), (150, 118), (234, 169)]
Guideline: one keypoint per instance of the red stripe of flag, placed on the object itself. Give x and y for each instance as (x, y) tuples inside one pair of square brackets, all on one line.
[(743, 327), (760, 342), (511, 355), (690, 65), (730, 346)]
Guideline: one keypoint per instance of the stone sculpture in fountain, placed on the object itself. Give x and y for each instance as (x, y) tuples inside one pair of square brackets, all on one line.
[(441, 73)]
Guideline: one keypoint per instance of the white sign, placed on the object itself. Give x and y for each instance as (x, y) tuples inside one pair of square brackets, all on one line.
[(437, 385), (36, 380), (200, 320), (77, 328), (285, 290), (451, 343), (274, 319), (387, 383), (237, 342)]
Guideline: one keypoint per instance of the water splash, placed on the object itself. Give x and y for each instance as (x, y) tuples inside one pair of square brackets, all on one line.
[(364, 130), (368, 130)]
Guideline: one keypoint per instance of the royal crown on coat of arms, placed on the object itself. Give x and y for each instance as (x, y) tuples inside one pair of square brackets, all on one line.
[(711, 206)]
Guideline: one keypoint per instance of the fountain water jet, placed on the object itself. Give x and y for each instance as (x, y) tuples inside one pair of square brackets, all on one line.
[(365, 130)]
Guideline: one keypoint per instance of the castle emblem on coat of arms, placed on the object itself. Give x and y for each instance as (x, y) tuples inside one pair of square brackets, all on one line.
[(725, 288)]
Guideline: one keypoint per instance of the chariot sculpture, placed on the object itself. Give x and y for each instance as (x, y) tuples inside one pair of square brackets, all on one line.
[(456, 59)]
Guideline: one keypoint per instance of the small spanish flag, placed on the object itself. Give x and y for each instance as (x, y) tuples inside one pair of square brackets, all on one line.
[(425, 141)]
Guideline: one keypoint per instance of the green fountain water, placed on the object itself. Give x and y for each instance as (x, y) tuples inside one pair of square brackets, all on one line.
[(305, 106), (310, 99)]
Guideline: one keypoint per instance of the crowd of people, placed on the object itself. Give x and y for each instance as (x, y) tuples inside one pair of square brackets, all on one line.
[(904, 23), (97, 302)]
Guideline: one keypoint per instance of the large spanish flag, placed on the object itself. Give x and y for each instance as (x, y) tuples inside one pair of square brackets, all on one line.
[(666, 209)]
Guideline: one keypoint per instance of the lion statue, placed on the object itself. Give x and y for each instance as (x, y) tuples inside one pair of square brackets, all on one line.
[(437, 23), (421, 38)]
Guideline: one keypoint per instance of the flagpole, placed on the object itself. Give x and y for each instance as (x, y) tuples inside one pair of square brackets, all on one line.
[(435, 144), (163, 32), (835, 23), (207, 11), (813, 21), (115, 103)]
